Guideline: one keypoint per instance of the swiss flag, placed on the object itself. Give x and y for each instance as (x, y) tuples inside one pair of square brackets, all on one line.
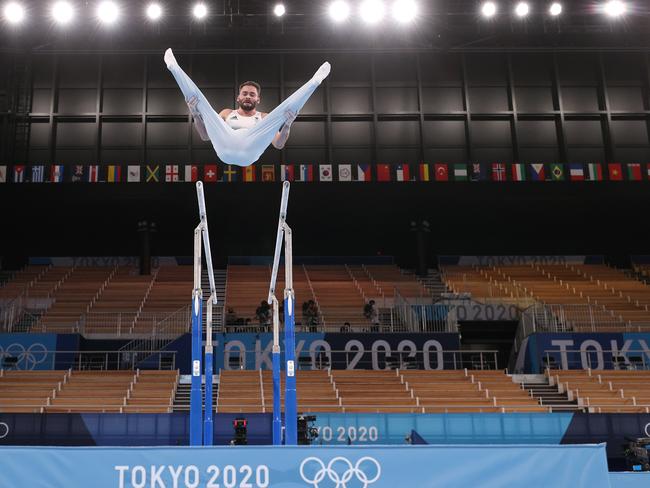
[(210, 173), (442, 172), (383, 172)]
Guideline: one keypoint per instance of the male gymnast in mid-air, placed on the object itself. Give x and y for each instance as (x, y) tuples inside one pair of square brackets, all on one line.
[(240, 136)]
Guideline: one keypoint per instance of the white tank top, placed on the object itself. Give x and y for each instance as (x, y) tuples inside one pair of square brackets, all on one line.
[(237, 121)]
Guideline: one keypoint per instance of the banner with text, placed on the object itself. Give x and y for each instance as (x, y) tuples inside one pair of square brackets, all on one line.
[(461, 466)]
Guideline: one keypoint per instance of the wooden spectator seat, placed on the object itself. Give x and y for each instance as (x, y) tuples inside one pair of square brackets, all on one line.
[(27, 391), (72, 298)]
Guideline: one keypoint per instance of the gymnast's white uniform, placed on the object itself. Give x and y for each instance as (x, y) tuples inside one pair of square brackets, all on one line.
[(245, 145), (238, 121)]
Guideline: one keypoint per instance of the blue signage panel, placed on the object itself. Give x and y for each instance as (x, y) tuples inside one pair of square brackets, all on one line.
[(487, 428), (27, 351), (341, 351), (460, 466), (629, 480), (586, 350)]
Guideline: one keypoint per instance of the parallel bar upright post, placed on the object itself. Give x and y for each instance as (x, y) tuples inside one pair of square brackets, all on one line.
[(290, 402), (196, 402), (275, 354), (208, 431), (277, 421), (207, 421)]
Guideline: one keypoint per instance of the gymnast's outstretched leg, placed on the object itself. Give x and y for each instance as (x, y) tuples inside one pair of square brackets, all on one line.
[(216, 127), (263, 133)]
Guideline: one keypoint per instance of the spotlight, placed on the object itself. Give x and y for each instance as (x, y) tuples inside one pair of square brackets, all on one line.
[(14, 13), (279, 10), (404, 10), (339, 11), (154, 11), (522, 9), (372, 11), (62, 12), (555, 9), (615, 8), (107, 12), (489, 9), (200, 11)]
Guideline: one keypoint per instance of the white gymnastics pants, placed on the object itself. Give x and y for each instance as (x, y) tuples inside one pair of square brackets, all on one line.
[(244, 146)]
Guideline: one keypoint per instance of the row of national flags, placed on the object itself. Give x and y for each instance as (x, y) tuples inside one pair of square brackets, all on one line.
[(380, 172)]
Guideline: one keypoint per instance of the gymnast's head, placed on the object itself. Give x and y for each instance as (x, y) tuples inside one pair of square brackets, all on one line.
[(249, 95)]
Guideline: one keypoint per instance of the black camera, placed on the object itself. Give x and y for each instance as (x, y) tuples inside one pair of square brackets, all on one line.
[(307, 433), (637, 453), (240, 425)]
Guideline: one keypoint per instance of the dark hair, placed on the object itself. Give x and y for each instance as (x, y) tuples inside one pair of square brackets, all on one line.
[(251, 83)]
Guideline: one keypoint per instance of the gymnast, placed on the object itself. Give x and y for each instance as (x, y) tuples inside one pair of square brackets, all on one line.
[(240, 136)]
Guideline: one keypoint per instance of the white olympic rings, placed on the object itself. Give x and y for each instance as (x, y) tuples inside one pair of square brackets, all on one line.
[(341, 480), (27, 359)]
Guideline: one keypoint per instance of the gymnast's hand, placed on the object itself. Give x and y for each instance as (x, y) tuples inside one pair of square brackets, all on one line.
[(290, 117), (192, 103)]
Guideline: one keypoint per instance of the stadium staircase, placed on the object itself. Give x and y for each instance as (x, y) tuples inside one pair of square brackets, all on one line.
[(434, 283), (182, 396), (220, 277), (550, 396)]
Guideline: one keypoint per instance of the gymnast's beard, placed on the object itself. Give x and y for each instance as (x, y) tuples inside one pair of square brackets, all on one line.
[(247, 106)]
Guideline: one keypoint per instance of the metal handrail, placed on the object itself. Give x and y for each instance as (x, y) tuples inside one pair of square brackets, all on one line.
[(629, 359), (81, 360), (377, 359)]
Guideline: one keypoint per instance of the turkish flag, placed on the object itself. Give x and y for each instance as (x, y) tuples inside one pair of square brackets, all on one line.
[(442, 172)]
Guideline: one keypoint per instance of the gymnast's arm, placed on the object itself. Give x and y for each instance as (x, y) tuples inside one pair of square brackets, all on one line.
[(281, 137), (198, 119)]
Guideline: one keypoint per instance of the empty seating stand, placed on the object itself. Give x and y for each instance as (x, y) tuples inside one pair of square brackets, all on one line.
[(169, 294), (393, 391), (87, 391), (116, 308), (469, 391), (618, 302), (606, 391), (72, 298), (28, 391)]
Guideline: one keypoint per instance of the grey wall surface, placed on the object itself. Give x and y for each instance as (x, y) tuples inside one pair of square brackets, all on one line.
[(375, 107)]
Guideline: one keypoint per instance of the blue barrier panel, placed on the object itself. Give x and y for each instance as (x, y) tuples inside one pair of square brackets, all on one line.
[(29, 351), (583, 350), (629, 480), (474, 428), (343, 467)]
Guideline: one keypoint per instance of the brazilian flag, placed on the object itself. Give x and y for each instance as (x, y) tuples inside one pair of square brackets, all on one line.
[(557, 172)]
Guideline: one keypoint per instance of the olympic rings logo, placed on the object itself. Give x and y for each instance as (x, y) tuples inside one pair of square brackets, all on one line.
[(4, 430), (647, 429), (316, 471), (28, 358)]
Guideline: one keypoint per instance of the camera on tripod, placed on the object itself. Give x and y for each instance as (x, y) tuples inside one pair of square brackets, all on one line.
[(637, 453), (240, 425), (307, 433)]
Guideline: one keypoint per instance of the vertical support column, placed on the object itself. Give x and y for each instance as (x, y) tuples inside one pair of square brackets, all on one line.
[(290, 403), (277, 422), (196, 402), (275, 355), (208, 430)]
